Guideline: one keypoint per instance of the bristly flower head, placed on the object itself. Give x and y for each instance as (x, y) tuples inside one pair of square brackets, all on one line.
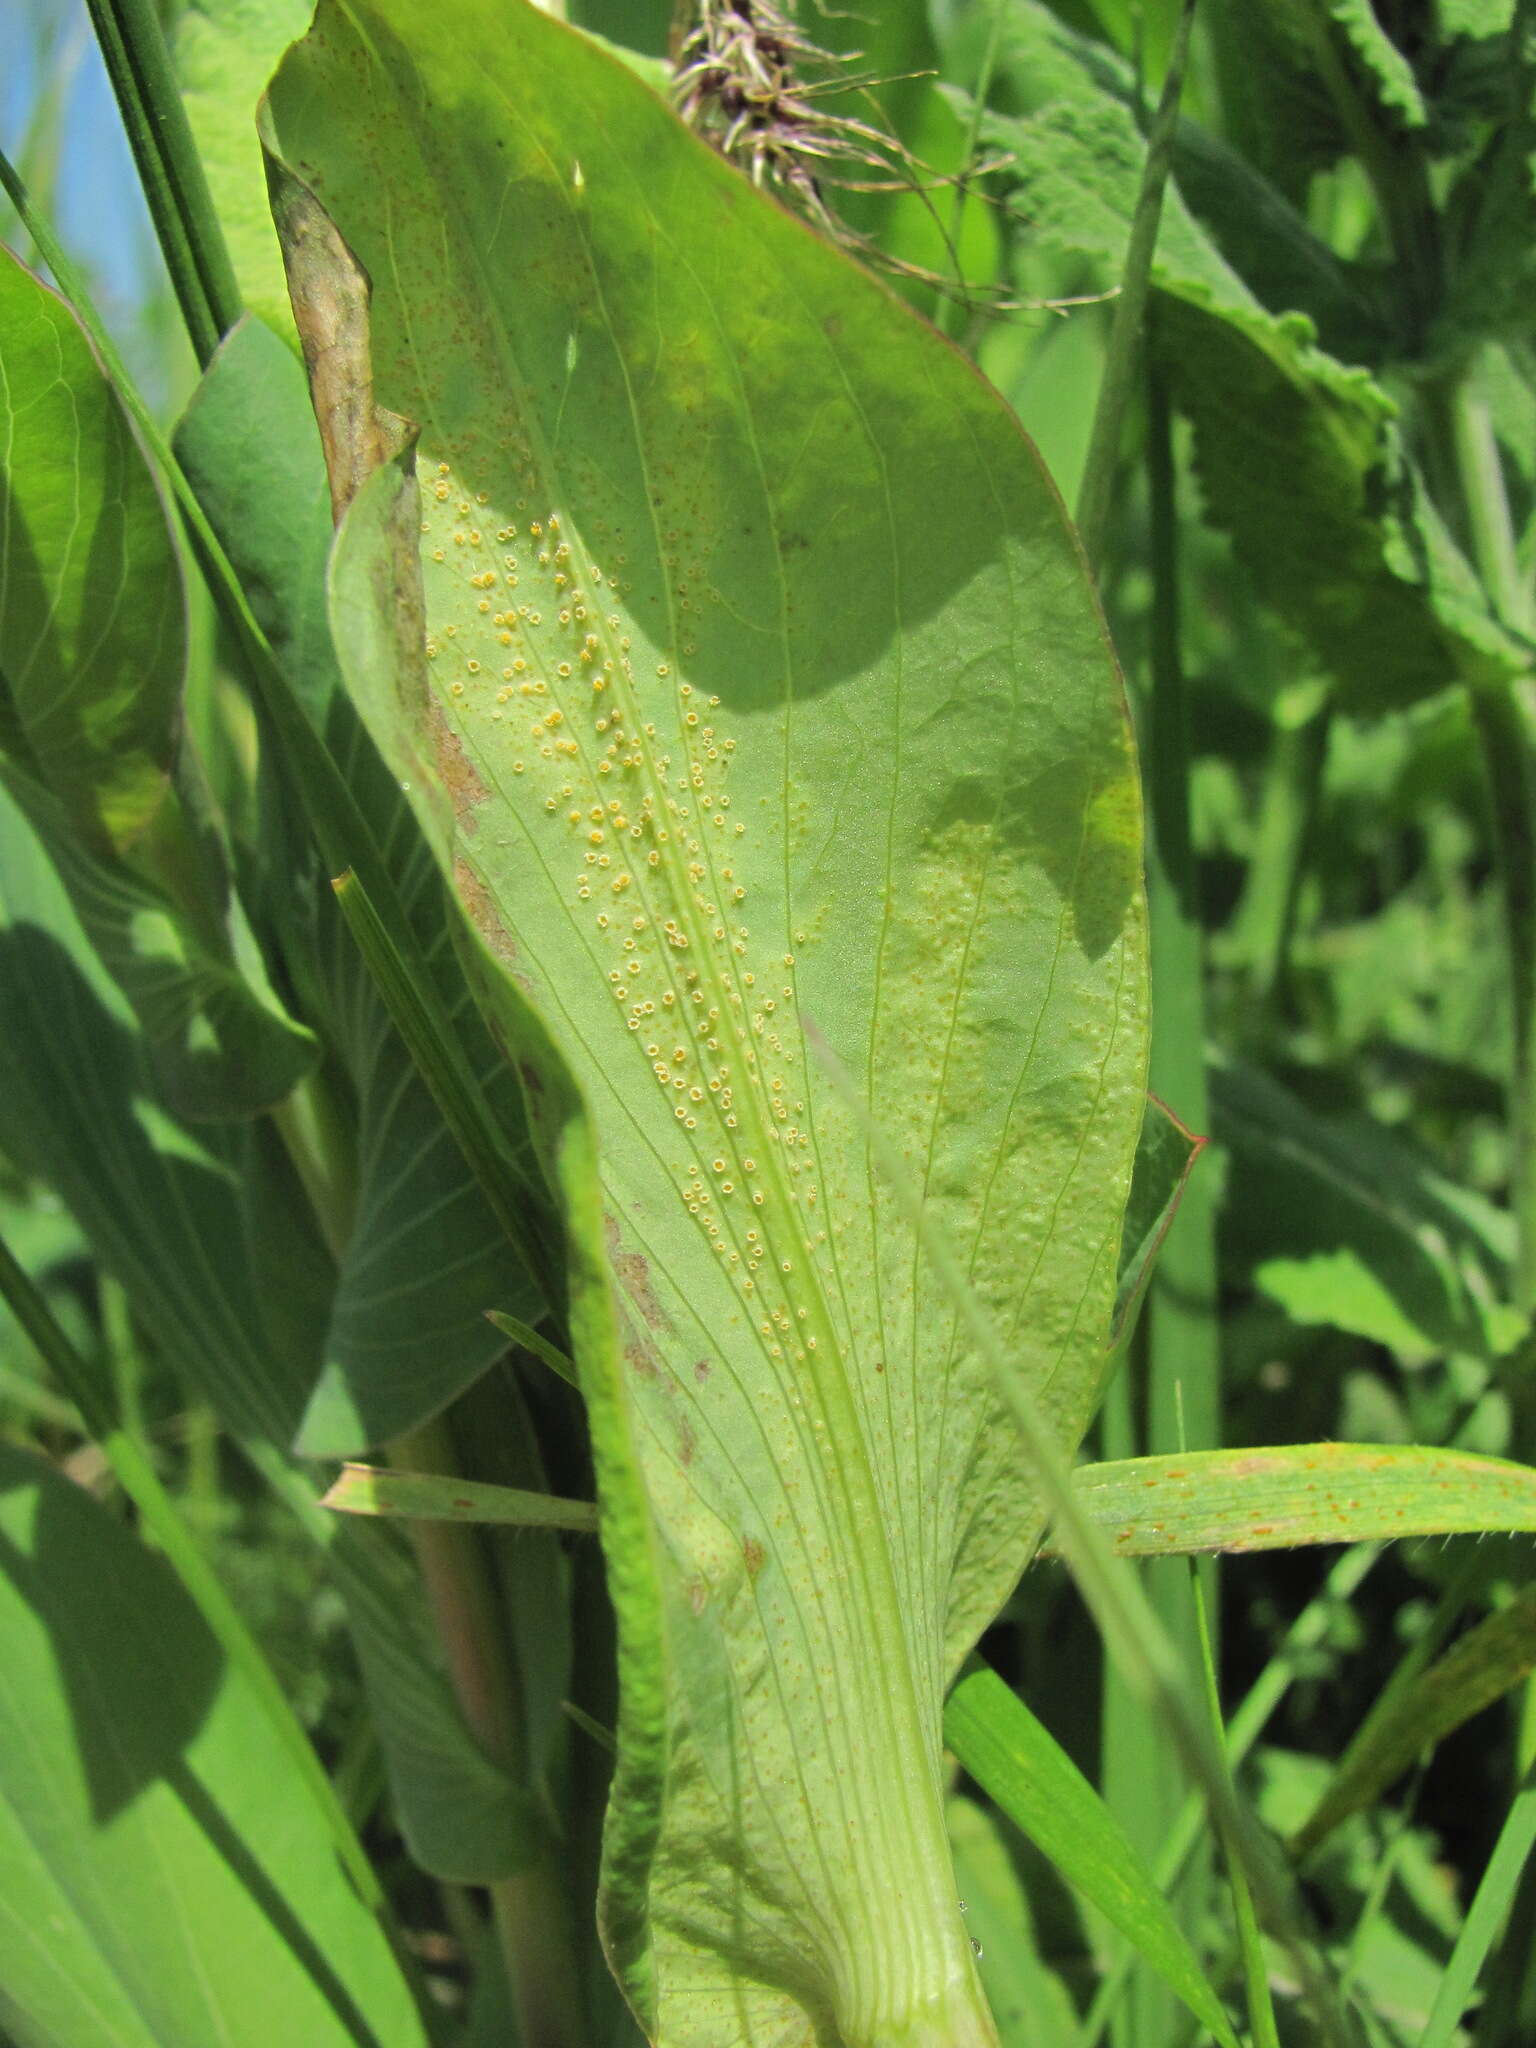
[(748, 78)]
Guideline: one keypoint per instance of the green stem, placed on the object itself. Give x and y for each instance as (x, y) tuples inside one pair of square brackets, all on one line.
[(530, 1908), (1309, 1629), (1485, 1916), (170, 169), (952, 311), (162, 1521), (1180, 1338), (1096, 490), (1460, 441), (1261, 2011)]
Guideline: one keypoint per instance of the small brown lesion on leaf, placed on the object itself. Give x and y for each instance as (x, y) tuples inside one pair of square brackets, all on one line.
[(634, 1276), (482, 912), (641, 1360), (752, 1556), (459, 775)]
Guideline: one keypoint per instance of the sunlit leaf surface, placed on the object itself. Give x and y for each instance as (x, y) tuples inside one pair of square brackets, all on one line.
[(756, 680)]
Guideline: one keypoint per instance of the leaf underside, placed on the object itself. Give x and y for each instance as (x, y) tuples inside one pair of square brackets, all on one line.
[(756, 680)]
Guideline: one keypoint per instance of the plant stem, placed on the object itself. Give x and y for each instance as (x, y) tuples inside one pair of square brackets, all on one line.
[(952, 311), (530, 1908), (1180, 1343), (170, 169), (1096, 490), (1460, 437)]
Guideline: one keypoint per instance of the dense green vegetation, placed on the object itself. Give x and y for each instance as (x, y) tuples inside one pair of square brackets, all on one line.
[(628, 1405)]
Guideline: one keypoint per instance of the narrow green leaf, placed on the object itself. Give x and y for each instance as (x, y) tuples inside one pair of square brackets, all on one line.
[(1024, 1769), (1488, 1660), (92, 608), (162, 1520), (438, 1497), (871, 648), (1276, 1498), (165, 1878), (1029, 2000), (92, 648), (1486, 1916), (529, 1339)]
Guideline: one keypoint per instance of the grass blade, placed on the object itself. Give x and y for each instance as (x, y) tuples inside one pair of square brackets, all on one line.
[(1021, 1766), (1277, 1498), (442, 1497)]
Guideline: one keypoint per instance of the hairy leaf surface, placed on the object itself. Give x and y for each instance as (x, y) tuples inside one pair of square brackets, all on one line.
[(737, 655)]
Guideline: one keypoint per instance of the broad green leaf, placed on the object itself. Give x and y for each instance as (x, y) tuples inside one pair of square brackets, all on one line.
[(225, 52), (92, 648), (1029, 2001), (1288, 1494), (1376, 55), (437, 1497), (1299, 456), (1024, 1769), (165, 1881), (188, 1222), (1489, 1659), (424, 1258), (171, 1211), (464, 1817), (1345, 1223), (218, 1041), (798, 698), (92, 609)]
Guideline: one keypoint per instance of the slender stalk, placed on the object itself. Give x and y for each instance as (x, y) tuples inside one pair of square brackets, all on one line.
[(162, 1520), (530, 1908), (952, 311), (1261, 2010), (1485, 1916), (1180, 1340), (1243, 1731), (170, 169), (1096, 490), (1460, 438)]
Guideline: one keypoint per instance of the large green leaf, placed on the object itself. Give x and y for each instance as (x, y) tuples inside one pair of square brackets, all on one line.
[(190, 1224), (165, 1880), (760, 680), (92, 648), (424, 1258), (1299, 455), (1346, 1223), (92, 609)]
